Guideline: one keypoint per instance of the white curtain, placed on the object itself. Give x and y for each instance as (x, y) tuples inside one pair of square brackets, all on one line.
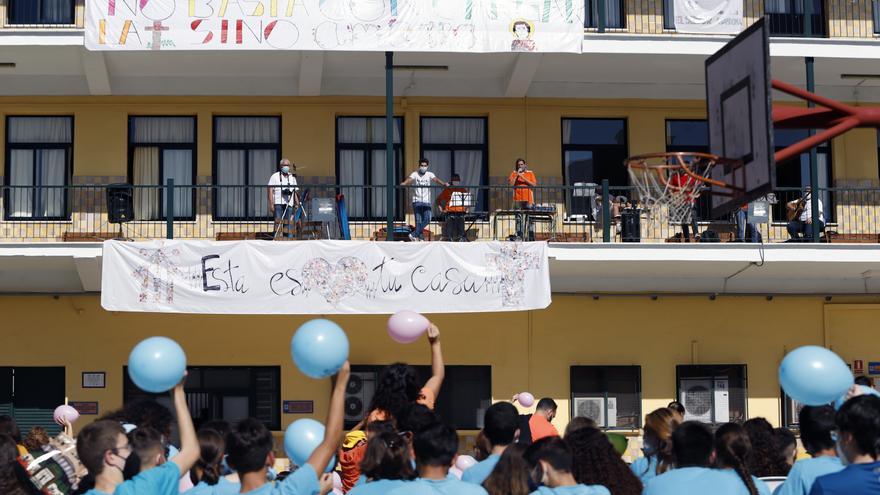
[(613, 17), (453, 131), (351, 172), (50, 171), (40, 130), (262, 166), (56, 11), (352, 130), (246, 130), (379, 176), (875, 5), (230, 172), (377, 130), (776, 6), (441, 163), (162, 130), (469, 166), (21, 169), (177, 165), (45, 169), (145, 176)]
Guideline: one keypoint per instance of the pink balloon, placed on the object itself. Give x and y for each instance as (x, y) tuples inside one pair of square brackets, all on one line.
[(337, 481), (526, 399), (464, 461), (65, 412), (407, 326)]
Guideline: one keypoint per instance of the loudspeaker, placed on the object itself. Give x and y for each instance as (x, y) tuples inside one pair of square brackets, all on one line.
[(120, 203)]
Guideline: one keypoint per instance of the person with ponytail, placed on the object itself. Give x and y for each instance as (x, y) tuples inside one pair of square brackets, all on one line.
[(858, 446), (13, 477), (511, 474), (657, 445), (386, 464), (207, 473), (732, 452)]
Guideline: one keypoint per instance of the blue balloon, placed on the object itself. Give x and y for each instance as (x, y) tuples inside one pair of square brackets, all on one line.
[(301, 438), (319, 348), (156, 364), (814, 376)]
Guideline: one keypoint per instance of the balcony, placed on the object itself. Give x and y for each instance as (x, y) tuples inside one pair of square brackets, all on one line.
[(563, 214), (787, 18)]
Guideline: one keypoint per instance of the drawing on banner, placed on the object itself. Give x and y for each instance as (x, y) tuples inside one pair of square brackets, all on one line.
[(708, 16), (361, 25), (156, 275), (335, 282), (512, 262)]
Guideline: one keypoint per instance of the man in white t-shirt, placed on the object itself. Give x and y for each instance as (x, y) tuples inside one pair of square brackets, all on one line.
[(801, 228), (422, 196), (283, 200)]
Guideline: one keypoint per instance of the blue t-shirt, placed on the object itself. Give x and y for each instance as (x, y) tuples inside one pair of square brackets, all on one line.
[(676, 481), (378, 487), (478, 473), (447, 486), (722, 482), (223, 487), (303, 481), (645, 468), (861, 479), (160, 480), (804, 473), (572, 490)]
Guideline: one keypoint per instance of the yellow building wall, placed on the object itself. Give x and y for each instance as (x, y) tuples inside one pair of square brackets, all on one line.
[(528, 351), (518, 127)]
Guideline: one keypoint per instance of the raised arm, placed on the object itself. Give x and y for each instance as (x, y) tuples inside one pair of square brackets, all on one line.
[(438, 370), (407, 182), (333, 430), (440, 182), (189, 443)]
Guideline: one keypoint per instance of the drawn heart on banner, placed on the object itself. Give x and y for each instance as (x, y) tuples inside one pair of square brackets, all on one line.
[(335, 282)]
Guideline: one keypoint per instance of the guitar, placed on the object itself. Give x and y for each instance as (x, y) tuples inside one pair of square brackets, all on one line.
[(796, 208)]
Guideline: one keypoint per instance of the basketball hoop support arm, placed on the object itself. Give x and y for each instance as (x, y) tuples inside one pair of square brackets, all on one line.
[(836, 118)]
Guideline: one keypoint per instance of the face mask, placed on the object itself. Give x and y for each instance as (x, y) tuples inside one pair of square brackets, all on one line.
[(422, 170), (285, 169)]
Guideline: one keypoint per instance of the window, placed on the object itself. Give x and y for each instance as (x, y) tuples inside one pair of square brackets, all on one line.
[(712, 393), (592, 150), (609, 395), (40, 12), (39, 151), (795, 173), (246, 153), (614, 17), (162, 148), (875, 14), (458, 146), (691, 135), (790, 410), (230, 393), (464, 397), (360, 160), (786, 18), (30, 395), (668, 14)]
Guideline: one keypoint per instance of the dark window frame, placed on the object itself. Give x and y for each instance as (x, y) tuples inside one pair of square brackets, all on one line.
[(592, 148), (424, 371), (704, 202), (791, 22), (603, 369), (829, 210), (68, 172), (367, 149), (51, 404), (591, 22), (11, 21), (246, 147), (193, 147), (249, 391), (715, 370), (453, 147)]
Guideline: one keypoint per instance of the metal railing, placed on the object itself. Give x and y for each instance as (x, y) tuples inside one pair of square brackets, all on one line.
[(559, 213)]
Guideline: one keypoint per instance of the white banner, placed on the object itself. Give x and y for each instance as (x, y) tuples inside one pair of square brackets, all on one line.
[(349, 25), (323, 277), (709, 16)]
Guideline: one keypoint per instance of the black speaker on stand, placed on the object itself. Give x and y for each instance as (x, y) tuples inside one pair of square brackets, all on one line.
[(120, 205)]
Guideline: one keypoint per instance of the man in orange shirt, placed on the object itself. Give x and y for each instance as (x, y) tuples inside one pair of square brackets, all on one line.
[(540, 423), (523, 180), (454, 209)]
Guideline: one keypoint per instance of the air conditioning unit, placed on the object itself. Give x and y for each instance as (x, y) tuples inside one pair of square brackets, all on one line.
[(594, 408), (358, 395), (705, 399)]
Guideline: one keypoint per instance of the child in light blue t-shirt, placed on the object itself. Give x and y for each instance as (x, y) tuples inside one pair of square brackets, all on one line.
[(816, 424), (208, 470)]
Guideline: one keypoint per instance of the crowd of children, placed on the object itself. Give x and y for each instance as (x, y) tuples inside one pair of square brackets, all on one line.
[(403, 447)]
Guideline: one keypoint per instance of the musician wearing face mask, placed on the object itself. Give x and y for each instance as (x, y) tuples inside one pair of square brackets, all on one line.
[(283, 199), (421, 202), (523, 180), (800, 216)]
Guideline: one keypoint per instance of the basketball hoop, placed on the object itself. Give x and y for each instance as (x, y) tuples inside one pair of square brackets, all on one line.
[(674, 180)]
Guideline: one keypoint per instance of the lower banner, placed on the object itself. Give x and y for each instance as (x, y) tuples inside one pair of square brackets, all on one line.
[(323, 277)]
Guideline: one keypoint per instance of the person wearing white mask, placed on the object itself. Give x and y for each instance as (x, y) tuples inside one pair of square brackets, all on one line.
[(422, 196), (283, 200)]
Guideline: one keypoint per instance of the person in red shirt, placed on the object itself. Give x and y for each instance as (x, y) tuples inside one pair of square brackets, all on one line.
[(540, 424), (523, 180), (454, 209), (678, 181)]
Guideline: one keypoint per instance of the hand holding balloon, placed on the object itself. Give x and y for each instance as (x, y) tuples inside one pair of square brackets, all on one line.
[(157, 364), (525, 398), (407, 326), (319, 348)]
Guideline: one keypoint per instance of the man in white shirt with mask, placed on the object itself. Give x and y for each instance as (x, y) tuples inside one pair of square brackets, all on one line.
[(283, 200), (421, 202)]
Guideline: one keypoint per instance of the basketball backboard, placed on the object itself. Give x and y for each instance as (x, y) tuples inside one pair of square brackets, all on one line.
[(740, 119)]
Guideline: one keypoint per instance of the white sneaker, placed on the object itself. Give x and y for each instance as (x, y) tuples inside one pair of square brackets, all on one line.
[(413, 238)]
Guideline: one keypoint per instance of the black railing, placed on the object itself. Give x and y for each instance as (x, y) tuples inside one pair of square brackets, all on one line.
[(796, 18), (559, 213)]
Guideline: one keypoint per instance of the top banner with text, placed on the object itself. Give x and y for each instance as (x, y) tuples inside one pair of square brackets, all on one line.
[(323, 277), (347, 25)]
